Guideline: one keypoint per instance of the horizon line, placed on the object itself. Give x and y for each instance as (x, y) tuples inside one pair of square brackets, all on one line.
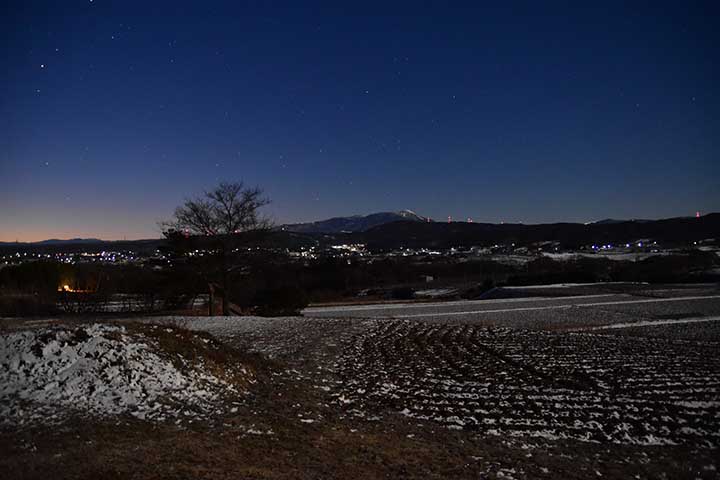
[(138, 239)]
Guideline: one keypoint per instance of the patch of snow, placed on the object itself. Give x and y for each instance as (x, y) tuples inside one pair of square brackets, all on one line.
[(99, 370), (652, 323), (436, 292)]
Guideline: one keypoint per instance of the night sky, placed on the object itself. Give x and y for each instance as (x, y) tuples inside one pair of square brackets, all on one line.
[(112, 112)]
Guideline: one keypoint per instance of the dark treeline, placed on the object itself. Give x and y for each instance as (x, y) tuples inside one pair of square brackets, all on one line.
[(337, 279), (49, 287)]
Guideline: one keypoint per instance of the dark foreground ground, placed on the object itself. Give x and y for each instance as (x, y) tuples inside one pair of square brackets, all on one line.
[(522, 391)]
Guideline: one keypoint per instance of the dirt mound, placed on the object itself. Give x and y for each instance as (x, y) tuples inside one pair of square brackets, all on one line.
[(105, 370)]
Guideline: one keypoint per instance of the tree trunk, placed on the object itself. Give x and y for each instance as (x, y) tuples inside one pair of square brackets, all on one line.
[(225, 283), (225, 302)]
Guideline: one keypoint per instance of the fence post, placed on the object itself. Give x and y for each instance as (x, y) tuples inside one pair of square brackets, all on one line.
[(211, 306)]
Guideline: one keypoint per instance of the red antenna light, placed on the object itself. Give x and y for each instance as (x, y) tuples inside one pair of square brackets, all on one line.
[(449, 218), (697, 214), (470, 220)]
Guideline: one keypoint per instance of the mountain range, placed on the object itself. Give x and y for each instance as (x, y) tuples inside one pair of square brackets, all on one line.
[(56, 241), (392, 230), (355, 223), (670, 231)]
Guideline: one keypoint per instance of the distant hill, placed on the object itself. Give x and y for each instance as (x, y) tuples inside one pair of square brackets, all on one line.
[(55, 241), (80, 245), (461, 234), (608, 221), (355, 223)]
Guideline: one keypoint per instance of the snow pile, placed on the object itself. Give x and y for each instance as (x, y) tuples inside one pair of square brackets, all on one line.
[(436, 292), (99, 370)]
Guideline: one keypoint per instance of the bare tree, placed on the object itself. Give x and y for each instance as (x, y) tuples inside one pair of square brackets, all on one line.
[(221, 214)]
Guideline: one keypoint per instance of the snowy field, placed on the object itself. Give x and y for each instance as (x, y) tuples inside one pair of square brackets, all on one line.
[(581, 312), (614, 378), (522, 383), (556, 368)]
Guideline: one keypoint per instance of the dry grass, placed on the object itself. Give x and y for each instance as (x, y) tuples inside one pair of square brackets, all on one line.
[(189, 349), (140, 450)]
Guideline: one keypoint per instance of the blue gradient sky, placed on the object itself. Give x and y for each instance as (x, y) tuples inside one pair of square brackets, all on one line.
[(112, 112)]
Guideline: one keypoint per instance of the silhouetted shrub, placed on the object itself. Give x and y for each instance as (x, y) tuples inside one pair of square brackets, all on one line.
[(402, 293), (42, 277), (280, 301), (26, 306), (478, 290)]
